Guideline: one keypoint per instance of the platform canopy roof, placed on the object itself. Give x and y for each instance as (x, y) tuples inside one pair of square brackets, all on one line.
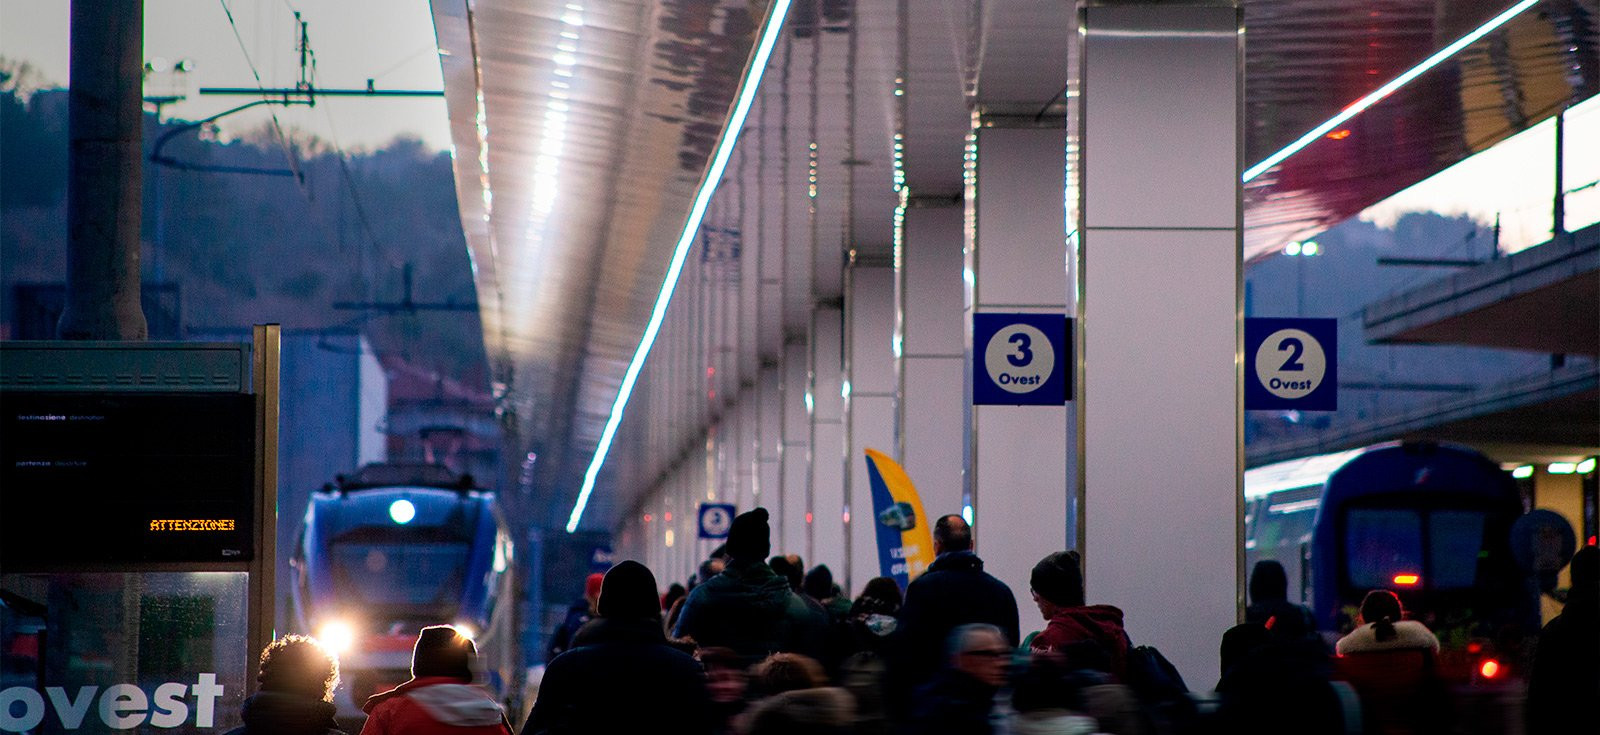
[(583, 131)]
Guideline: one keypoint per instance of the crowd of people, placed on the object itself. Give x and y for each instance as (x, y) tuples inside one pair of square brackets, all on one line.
[(759, 646)]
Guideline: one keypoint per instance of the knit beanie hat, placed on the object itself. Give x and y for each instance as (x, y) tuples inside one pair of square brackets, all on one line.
[(629, 591), (750, 538), (591, 585), (1057, 578), (819, 582), (442, 651)]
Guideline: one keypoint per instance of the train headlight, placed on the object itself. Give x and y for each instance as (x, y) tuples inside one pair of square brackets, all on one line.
[(338, 636), (402, 511), (465, 631)]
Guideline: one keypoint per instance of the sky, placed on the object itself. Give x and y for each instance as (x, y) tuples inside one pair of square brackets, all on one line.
[(391, 41)]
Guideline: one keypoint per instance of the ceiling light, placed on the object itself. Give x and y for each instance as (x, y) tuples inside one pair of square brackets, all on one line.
[(702, 199), (1562, 468), (1586, 466), (1377, 95)]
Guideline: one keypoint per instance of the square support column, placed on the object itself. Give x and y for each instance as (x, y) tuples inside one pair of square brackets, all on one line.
[(794, 464), (827, 448), (1022, 476), (931, 425), (1161, 313), (870, 398)]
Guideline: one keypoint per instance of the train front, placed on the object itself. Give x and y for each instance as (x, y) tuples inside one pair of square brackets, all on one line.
[(376, 563)]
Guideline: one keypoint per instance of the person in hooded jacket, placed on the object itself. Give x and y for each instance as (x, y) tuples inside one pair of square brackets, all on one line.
[(954, 591), (748, 607), (440, 698), (297, 677), (1087, 636), (581, 611), (1269, 600), (622, 651)]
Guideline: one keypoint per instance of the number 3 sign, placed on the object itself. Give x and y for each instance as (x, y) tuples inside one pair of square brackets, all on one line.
[(1020, 359), (1291, 364)]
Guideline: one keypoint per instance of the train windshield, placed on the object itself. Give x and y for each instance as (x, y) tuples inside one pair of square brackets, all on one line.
[(402, 575), (1387, 546)]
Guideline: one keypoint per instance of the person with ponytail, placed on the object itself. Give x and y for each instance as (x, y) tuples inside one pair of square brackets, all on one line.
[(1391, 663), (1383, 628)]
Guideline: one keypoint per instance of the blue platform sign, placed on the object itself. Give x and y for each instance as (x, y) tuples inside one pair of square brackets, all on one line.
[(1291, 364), (1021, 359), (716, 519)]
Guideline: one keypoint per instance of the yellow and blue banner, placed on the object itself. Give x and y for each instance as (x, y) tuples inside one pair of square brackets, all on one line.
[(903, 530)]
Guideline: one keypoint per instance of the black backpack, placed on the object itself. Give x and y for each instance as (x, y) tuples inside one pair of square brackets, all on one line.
[(1160, 688)]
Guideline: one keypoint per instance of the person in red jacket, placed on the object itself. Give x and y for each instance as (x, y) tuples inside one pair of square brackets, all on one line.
[(440, 699), (1088, 636)]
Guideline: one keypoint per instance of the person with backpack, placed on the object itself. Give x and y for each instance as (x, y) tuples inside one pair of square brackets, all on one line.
[(1087, 636)]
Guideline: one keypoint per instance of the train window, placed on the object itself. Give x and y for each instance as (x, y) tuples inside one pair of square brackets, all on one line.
[(1381, 544), (402, 574), (1454, 539)]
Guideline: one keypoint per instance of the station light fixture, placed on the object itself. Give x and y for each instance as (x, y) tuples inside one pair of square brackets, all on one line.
[(1292, 248), (1524, 472), (1377, 95), (1562, 468), (691, 226), (1586, 466)]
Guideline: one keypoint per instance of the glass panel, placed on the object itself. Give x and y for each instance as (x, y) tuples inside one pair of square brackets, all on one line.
[(1455, 538), (402, 574), (94, 653), (1382, 544)]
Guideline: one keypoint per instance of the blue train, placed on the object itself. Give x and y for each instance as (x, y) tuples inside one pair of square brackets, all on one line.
[(1430, 521), (391, 549)]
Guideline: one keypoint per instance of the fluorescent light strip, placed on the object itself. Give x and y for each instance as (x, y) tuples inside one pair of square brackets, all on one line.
[(702, 199), (1377, 95)]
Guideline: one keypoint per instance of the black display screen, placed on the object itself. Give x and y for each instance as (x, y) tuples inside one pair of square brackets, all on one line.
[(126, 477)]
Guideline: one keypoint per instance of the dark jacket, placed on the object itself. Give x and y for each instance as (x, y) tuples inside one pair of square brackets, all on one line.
[(1090, 637), (621, 677), (279, 713), (560, 640), (1565, 681), (953, 703), (750, 609), (953, 592)]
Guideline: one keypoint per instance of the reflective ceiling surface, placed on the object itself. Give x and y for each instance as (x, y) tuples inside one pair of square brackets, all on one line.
[(582, 130)]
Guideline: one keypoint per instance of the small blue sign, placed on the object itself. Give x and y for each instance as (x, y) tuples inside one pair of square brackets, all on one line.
[(601, 558), (1021, 359), (716, 519), (1291, 364)]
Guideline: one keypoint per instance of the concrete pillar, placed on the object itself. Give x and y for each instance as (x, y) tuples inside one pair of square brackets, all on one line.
[(870, 399), (827, 480), (104, 110), (769, 394), (1022, 465), (794, 464), (930, 428), (1160, 260)]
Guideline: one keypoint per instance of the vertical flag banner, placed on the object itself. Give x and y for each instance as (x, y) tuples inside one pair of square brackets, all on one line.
[(904, 531)]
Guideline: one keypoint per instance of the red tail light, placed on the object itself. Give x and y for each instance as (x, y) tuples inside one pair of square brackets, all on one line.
[(1406, 580), (1490, 668)]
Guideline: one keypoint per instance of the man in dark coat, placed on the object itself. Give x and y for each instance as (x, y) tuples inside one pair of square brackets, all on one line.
[(1269, 601), (954, 591), (960, 698), (297, 678), (1565, 681), (621, 676), (748, 607)]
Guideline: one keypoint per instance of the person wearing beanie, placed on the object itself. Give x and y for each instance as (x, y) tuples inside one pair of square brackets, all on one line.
[(440, 698), (579, 612), (819, 586), (621, 675), (749, 607), (954, 591), (1087, 636), (297, 678)]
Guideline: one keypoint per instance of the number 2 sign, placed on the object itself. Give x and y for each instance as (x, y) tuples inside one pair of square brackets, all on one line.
[(1291, 364)]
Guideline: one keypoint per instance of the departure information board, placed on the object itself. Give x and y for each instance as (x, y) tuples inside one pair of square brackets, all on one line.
[(125, 477)]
